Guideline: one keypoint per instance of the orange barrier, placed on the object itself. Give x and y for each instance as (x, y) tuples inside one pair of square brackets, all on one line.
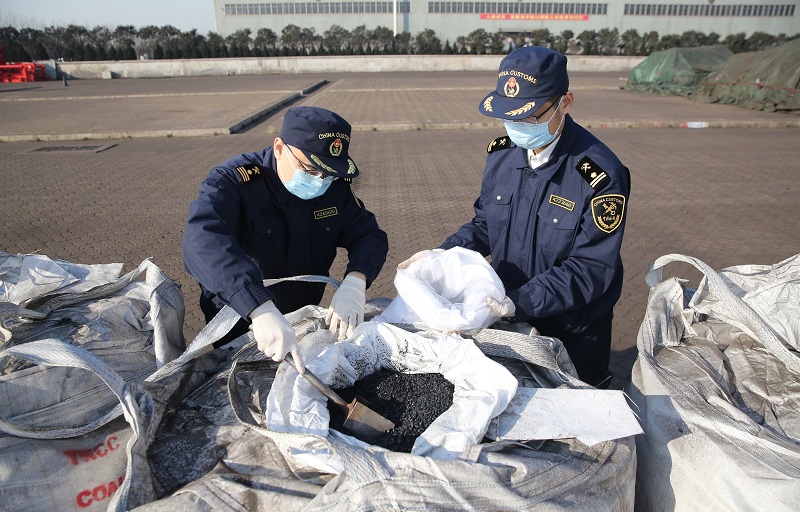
[(22, 72)]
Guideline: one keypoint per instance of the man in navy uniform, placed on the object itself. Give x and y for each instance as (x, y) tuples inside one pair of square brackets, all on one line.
[(282, 212), (551, 211)]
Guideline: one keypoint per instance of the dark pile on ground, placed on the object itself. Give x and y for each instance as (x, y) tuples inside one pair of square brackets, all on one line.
[(411, 401)]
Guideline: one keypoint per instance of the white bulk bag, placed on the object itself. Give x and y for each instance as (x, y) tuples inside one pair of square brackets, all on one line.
[(446, 291), (483, 388), (717, 385), (73, 340)]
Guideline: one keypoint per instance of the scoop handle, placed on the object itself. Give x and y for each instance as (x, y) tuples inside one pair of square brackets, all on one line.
[(317, 383)]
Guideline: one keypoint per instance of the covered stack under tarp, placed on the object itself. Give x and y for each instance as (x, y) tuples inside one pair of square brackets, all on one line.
[(768, 80), (677, 71)]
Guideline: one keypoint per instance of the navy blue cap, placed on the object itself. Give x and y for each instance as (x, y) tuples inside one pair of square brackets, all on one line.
[(323, 137), (527, 78)]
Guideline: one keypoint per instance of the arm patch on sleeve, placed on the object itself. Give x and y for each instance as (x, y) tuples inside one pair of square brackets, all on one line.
[(245, 173), (594, 175), (608, 211), (499, 143)]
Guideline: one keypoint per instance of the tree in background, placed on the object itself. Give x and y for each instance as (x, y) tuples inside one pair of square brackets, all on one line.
[(239, 42), (265, 42), (608, 42), (125, 42), (426, 43), (359, 39), (737, 43), (217, 46), (309, 41), (561, 42), (30, 39), (335, 39), (497, 44), (402, 43), (538, 37), (649, 43), (291, 39), (10, 40), (587, 40), (477, 42), (759, 41), (145, 42), (631, 42), (122, 40), (669, 41), (382, 40)]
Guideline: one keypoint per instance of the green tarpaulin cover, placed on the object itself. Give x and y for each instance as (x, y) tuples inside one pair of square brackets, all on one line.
[(768, 80), (677, 71)]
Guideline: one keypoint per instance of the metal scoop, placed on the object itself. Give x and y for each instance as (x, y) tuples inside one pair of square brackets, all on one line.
[(360, 419)]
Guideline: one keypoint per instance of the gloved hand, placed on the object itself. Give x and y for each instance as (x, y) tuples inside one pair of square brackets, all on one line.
[(502, 308), (274, 334), (417, 256), (347, 306)]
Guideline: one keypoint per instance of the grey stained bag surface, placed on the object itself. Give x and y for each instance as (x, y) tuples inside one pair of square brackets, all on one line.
[(717, 382), (212, 451), (196, 439), (63, 436)]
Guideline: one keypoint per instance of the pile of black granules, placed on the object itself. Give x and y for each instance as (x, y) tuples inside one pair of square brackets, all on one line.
[(411, 401)]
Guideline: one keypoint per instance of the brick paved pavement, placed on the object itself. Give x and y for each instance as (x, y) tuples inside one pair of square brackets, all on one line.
[(726, 196)]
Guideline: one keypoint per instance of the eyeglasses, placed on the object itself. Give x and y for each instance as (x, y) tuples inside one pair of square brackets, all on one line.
[(313, 172), (536, 119)]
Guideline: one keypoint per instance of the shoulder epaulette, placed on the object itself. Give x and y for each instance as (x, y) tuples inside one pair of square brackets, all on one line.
[(594, 175), (499, 143), (247, 172)]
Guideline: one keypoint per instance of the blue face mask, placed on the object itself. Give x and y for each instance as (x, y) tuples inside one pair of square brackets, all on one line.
[(305, 186), (532, 136)]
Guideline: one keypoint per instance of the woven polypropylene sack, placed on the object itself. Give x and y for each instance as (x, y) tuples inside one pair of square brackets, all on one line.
[(492, 476), (201, 459), (80, 466), (60, 446), (717, 384), (209, 449)]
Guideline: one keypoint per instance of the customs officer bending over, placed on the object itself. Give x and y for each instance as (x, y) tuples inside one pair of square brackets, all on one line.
[(282, 212)]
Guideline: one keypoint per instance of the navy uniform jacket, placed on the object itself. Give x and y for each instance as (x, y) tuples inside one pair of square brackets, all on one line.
[(554, 233), (245, 227)]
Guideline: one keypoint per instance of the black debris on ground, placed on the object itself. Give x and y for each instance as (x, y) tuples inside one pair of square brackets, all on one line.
[(411, 401)]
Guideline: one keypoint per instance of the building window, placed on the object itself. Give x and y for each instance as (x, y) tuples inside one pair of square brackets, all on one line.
[(458, 7), (727, 10)]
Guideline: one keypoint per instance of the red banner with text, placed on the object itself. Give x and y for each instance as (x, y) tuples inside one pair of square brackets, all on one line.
[(545, 17)]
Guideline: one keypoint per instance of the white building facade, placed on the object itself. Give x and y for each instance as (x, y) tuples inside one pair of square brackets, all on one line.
[(451, 19)]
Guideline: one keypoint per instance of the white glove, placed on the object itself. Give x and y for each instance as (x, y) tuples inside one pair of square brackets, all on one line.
[(274, 334), (501, 308), (347, 306), (417, 256)]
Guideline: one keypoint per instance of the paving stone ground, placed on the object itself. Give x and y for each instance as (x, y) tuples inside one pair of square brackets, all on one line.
[(727, 196)]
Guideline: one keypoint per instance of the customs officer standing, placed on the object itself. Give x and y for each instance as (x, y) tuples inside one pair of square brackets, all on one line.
[(551, 211)]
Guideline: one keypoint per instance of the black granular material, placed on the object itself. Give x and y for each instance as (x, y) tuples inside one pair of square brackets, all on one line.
[(411, 401)]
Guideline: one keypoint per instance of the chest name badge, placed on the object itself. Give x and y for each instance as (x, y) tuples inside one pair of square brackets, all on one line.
[(563, 203), (327, 212), (608, 211)]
